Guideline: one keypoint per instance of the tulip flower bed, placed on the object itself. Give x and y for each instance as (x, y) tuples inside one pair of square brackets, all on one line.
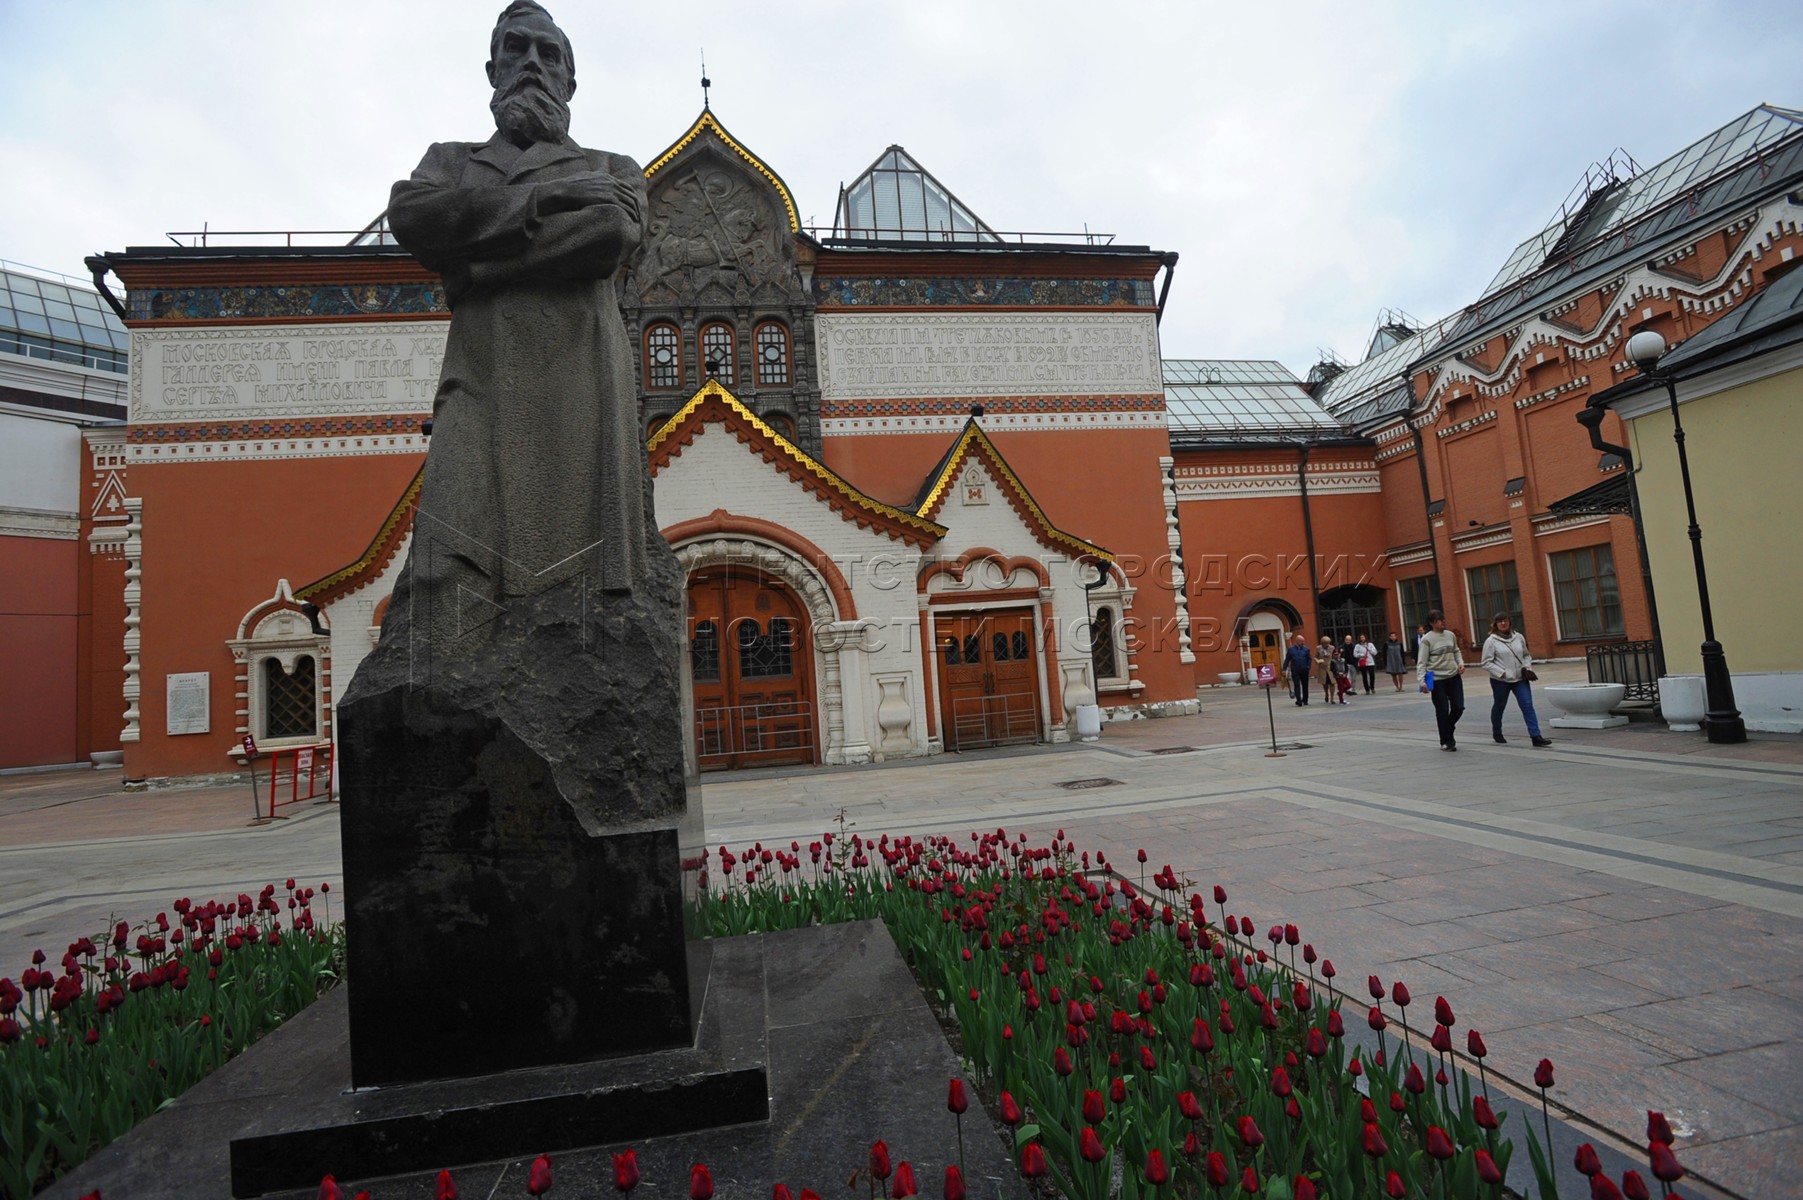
[(134, 1018), (1137, 1042)]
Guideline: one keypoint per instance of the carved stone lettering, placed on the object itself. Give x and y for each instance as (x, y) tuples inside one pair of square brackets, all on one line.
[(314, 370), (895, 355)]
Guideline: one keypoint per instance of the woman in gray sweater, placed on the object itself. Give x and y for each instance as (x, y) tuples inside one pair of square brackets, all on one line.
[(1440, 655)]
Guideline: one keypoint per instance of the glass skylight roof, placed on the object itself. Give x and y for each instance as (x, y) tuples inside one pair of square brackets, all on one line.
[(1349, 388), (1228, 396), (898, 200), (43, 318), (1727, 147)]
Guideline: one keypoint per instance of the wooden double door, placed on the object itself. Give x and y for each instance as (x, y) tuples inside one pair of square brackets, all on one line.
[(988, 678), (752, 666)]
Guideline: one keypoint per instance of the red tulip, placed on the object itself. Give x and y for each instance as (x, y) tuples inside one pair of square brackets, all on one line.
[(1094, 1111), (538, 1179), (1146, 1059), (1201, 1037), (1280, 1082), (1603, 1188), (1438, 1144), (1217, 1169), (1061, 1062), (328, 1186), (1011, 1113), (954, 1100), (1443, 1012), (904, 1181), (1487, 1169), (1315, 1044), (879, 1159), (1633, 1187), (1375, 986), (1374, 1141), (1394, 1187), (1376, 1019), (1397, 1103), (1157, 1174), (1480, 1111), (1665, 1163), (1399, 992), (445, 1188), (1474, 1044), (1543, 1074), (1090, 1146), (1412, 1080), (1304, 1189), (1249, 1133), (781, 1192), (1220, 894), (626, 1170), (809, 1194), (1335, 1026), (954, 1184), (1187, 1105), (1249, 1181), (701, 1183), (1658, 1129), (1441, 1039), (1586, 1160), (1032, 1161)]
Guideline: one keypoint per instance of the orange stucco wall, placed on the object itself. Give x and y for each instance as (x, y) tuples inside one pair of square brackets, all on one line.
[(217, 537), (38, 655)]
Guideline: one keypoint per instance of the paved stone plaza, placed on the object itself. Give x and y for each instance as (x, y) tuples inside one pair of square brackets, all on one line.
[(1624, 902)]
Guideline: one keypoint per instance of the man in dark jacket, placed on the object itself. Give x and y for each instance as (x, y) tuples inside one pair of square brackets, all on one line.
[(1298, 664)]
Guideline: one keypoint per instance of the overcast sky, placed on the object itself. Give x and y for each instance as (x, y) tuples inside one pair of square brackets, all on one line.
[(1312, 163)]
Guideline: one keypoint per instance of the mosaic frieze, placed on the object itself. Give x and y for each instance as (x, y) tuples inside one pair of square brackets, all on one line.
[(318, 427), (960, 406), (305, 300), (961, 292)]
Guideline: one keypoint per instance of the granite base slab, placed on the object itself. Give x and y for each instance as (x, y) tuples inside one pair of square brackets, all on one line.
[(831, 1017)]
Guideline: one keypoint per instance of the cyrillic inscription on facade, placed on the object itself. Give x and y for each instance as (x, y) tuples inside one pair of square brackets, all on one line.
[(198, 374), (893, 355)]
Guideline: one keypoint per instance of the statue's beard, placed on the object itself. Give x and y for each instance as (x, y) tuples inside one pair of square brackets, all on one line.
[(525, 112)]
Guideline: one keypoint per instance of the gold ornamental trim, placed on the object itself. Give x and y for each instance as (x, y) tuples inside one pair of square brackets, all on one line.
[(707, 121)]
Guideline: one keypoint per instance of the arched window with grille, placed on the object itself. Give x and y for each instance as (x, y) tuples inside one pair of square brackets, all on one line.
[(663, 356), (717, 352), (1101, 644), (290, 700), (773, 355)]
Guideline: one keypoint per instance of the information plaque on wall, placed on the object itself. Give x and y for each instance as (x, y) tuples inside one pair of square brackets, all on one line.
[(189, 702)]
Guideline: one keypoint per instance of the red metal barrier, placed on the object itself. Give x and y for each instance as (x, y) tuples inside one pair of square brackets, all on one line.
[(308, 768)]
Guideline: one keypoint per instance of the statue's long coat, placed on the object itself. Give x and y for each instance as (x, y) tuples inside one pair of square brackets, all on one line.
[(536, 471)]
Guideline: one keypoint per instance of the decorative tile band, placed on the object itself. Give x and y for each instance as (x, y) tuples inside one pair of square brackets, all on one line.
[(294, 300), (306, 427), (965, 292), (960, 406)]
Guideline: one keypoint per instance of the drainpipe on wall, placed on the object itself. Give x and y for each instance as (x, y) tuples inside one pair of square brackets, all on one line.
[(1308, 535), (1592, 420)]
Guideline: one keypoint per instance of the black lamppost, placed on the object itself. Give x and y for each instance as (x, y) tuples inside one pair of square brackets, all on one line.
[(1722, 723)]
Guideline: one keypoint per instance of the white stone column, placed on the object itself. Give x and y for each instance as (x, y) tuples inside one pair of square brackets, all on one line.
[(134, 596)]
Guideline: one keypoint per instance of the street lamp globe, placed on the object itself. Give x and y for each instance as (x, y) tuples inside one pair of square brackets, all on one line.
[(1646, 348)]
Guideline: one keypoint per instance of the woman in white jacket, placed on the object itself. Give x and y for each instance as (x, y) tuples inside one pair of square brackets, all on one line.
[(1507, 660)]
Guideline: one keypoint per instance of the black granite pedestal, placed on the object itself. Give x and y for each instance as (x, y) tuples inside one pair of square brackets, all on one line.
[(830, 1017)]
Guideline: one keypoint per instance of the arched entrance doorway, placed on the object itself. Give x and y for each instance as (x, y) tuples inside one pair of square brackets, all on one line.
[(1266, 634), (988, 677), (1355, 609), (752, 664)]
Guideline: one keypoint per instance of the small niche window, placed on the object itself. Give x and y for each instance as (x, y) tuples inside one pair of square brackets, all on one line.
[(663, 357), (782, 423), (773, 355), (717, 352), (290, 699)]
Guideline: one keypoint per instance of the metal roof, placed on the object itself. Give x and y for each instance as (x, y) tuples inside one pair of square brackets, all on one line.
[(1765, 322), (1760, 152), (1356, 385), (53, 317), (1240, 396)]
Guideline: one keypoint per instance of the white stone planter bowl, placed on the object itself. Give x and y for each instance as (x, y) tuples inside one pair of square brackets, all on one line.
[(1229, 678), (1586, 705)]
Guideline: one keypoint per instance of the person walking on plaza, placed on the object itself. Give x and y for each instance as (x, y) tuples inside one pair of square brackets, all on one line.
[(1440, 656), (1298, 665), (1324, 668), (1511, 671), (1366, 654), (1349, 652), (1396, 661)]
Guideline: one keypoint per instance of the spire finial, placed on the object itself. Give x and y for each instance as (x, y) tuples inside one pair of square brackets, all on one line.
[(706, 83)]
